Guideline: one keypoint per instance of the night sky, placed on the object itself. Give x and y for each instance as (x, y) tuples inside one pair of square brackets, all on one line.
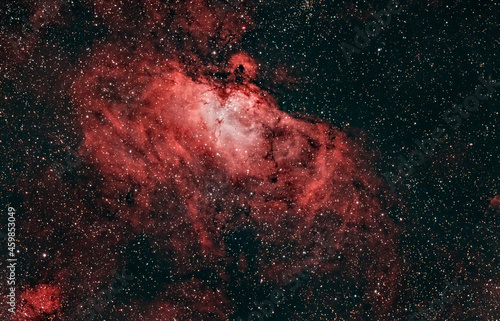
[(250, 160)]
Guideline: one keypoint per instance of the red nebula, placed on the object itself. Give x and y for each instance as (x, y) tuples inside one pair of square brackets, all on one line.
[(200, 21), (244, 66), (495, 203), (186, 151), (198, 153), (42, 300)]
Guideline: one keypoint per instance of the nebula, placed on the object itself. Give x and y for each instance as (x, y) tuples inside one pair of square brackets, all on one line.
[(495, 203), (194, 154), (188, 153)]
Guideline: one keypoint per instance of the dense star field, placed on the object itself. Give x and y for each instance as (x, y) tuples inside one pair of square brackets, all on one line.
[(249, 160)]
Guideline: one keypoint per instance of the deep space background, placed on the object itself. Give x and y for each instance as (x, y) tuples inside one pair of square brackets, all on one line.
[(443, 221)]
